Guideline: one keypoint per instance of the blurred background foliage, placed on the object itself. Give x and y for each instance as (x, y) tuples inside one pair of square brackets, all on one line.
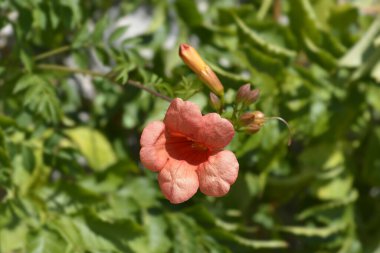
[(70, 176)]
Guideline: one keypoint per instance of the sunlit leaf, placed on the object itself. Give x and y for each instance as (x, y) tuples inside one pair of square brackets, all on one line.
[(94, 147)]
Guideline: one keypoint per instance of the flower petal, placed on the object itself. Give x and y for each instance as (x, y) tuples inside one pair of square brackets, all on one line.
[(153, 154), (151, 133), (183, 117), (178, 181), (218, 173), (217, 131)]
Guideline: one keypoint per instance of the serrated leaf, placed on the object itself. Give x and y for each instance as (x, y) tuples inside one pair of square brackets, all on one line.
[(39, 96), (94, 146)]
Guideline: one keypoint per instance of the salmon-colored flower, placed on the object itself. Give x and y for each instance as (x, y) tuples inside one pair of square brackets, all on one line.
[(187, 151)]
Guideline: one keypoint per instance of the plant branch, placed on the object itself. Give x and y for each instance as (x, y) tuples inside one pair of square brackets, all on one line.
[(99, 74), (52, 52), (147, 89), (69, 70)]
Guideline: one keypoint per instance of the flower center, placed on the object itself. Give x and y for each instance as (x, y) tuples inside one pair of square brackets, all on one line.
[(198, 146)]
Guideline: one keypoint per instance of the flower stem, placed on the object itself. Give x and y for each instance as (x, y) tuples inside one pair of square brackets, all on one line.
[(52, 52), (134, 83), (69, 70), (287, 125)]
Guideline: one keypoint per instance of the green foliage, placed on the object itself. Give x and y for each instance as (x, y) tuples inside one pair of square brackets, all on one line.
[(70, 123)]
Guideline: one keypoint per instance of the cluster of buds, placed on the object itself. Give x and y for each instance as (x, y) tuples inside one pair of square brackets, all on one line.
[(247, 96), (252, 121), (194, 61)]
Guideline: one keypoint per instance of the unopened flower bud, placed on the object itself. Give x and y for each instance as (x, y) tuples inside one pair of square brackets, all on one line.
[(215, 101), (246, 118), (243, 93), (194, 61), (253, 96), (252, 129), (257, 120)]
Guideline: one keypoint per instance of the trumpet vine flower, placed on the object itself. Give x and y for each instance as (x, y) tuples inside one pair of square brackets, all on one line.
[(186, 149)]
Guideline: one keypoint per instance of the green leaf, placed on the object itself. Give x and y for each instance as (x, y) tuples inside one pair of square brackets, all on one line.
[(229, 75), (156, 239), (74, 6), (100, 27), (94, 147), (26, 61), (119, 233), (249, 243), (186, 236), (265, 63), (304, 21), (361, 51), (319, 55), (261, 244), (46, 241), (39, 96), (258, 41), (39, 19), (117, 33), (327, 206), (159, 17), (336, 189), (80, 236), (6, 121), (312, 231), (188, 11), (13, 238)]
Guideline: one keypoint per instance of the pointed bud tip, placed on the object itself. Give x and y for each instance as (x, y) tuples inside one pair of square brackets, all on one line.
[(183, 47)]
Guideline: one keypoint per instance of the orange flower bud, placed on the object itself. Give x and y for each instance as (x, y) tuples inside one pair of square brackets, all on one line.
[(194, 61)]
